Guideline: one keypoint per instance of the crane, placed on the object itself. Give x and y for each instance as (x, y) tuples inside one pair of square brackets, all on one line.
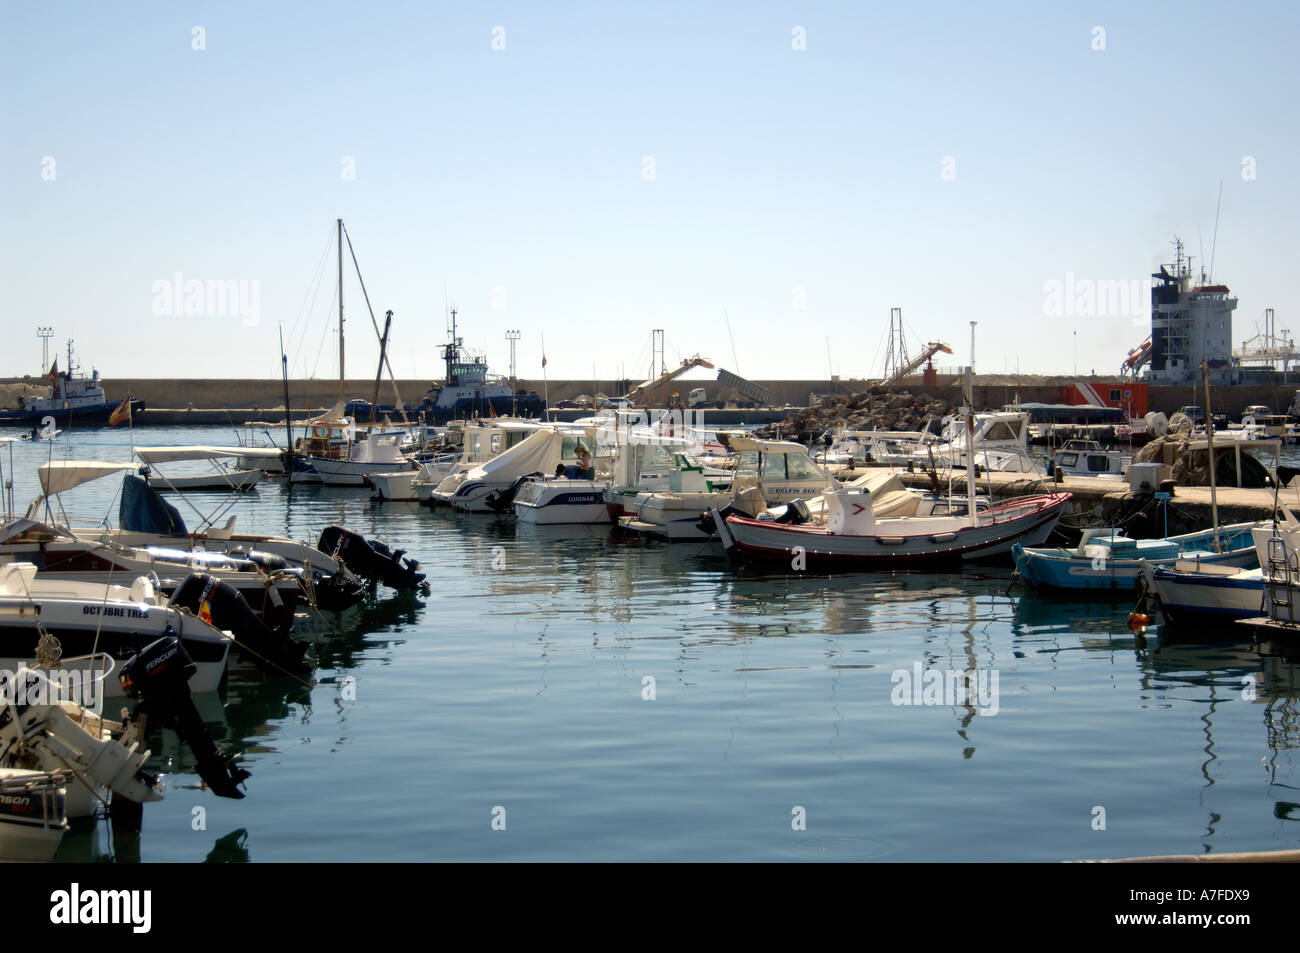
[(651, 389), (930, 350)]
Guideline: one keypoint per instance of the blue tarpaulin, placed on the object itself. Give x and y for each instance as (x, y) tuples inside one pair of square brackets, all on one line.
[(142, 510)]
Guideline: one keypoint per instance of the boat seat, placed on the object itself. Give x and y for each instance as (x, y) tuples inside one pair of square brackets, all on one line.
[(16, 579)]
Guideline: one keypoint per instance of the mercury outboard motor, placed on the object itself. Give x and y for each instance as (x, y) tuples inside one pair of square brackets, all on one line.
[(158, 678), (370, 559), (227, 610)]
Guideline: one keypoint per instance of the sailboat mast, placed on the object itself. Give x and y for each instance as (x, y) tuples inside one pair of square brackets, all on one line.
[(341, 374)]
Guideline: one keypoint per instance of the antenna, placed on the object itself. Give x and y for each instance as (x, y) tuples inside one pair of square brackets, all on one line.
[(1215, 242)]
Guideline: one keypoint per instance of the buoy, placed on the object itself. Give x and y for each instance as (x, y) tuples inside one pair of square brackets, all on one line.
[(1138, 622)]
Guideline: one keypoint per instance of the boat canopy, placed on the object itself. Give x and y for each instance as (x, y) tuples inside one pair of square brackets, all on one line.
[(743, 444), (61, 475), (539, 452), (153, 455)]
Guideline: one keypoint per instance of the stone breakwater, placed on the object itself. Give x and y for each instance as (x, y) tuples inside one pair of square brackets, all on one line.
[(873, 409)]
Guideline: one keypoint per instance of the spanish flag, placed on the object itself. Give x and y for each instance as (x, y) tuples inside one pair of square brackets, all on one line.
[(123, 412), (53, 375)]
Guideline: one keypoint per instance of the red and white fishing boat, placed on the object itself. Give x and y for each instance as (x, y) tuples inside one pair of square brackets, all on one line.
[(853, 534)]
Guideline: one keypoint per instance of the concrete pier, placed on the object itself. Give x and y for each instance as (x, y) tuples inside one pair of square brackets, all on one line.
[(1105, 499)]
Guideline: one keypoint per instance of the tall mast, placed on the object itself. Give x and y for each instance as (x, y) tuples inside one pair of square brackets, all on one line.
[(341, 375)]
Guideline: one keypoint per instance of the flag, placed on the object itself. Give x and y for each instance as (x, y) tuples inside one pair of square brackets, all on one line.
[(123, 412), (53, 375), (205, 611), (543, 360), (491, 410)]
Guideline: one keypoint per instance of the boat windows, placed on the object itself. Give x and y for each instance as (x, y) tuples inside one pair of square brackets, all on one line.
[(1002, 430), (1098, 463), (799, 467), (773, 467), (1069, 459)]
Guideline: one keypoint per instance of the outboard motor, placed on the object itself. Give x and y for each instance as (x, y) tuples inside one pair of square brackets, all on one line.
[(500, 501), (221, 604), (796, 513), (370, 559), (338, 591), (158, 678)]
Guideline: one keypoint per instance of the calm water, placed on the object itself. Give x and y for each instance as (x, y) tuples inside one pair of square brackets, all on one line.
[(519, 683)]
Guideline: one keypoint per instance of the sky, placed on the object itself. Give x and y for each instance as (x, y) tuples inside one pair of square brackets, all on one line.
[(762, 181)]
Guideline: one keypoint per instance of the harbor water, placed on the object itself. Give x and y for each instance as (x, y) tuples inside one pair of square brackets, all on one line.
[(567, 694)]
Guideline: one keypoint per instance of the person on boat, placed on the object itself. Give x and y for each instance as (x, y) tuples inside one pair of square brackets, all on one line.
[(586, 470)]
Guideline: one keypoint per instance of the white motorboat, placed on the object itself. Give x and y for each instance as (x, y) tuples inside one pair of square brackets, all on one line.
[(1088, 458), (378, 453), (97, 625), (33, 813), (854, 536), (1000, 443), (224, 480), (541, 451), (767, 472), (481, 441), (561, 501)]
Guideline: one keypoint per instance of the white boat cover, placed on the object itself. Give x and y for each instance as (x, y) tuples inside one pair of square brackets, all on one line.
[(539, 452), (153, 455), (61, 475)]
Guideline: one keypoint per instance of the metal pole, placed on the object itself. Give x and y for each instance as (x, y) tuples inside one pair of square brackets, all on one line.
[(341, 374)]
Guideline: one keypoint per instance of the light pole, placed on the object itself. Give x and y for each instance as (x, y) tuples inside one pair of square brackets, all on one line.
[(45, 334), (1076, 353), (512, 337)]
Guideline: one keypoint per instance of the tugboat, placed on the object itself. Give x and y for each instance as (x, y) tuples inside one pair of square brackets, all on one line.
[(469, 392), (73, 400)]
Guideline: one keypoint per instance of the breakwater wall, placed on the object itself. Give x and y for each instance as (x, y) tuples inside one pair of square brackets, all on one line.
[(268, 393)]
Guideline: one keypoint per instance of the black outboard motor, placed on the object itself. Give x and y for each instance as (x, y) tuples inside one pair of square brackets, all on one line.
[(500, 501), (338, 591), (229, 611), (796, 513), (158, 678), (370, 559)]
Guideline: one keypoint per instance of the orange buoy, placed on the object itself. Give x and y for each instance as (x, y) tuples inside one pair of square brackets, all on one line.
[(1138, 622)]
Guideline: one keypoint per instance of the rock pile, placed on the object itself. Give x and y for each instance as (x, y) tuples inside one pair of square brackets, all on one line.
[(873, 409), (9, 393)]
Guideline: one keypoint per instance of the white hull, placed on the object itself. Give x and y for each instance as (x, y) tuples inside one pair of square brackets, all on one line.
[(397, 487), (561, 502), (229, 481)]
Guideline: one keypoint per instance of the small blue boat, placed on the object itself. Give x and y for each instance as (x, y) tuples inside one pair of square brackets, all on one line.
[(1106, 559)]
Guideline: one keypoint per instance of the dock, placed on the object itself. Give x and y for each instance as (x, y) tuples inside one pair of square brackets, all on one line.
[(1106, 498)]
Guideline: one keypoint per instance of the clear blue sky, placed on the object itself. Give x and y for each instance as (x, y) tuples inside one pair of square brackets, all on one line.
[(522, 170)]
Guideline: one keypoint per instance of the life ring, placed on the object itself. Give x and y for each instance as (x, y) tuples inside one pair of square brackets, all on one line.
[(320, 430)]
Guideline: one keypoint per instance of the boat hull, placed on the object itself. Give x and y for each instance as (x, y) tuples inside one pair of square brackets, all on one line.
[(93, 415), (1194, 600), (1061, 569)]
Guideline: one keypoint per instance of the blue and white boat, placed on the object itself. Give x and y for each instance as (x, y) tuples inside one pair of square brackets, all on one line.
[(74, 399), (1106, 559), (1195, 596)]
